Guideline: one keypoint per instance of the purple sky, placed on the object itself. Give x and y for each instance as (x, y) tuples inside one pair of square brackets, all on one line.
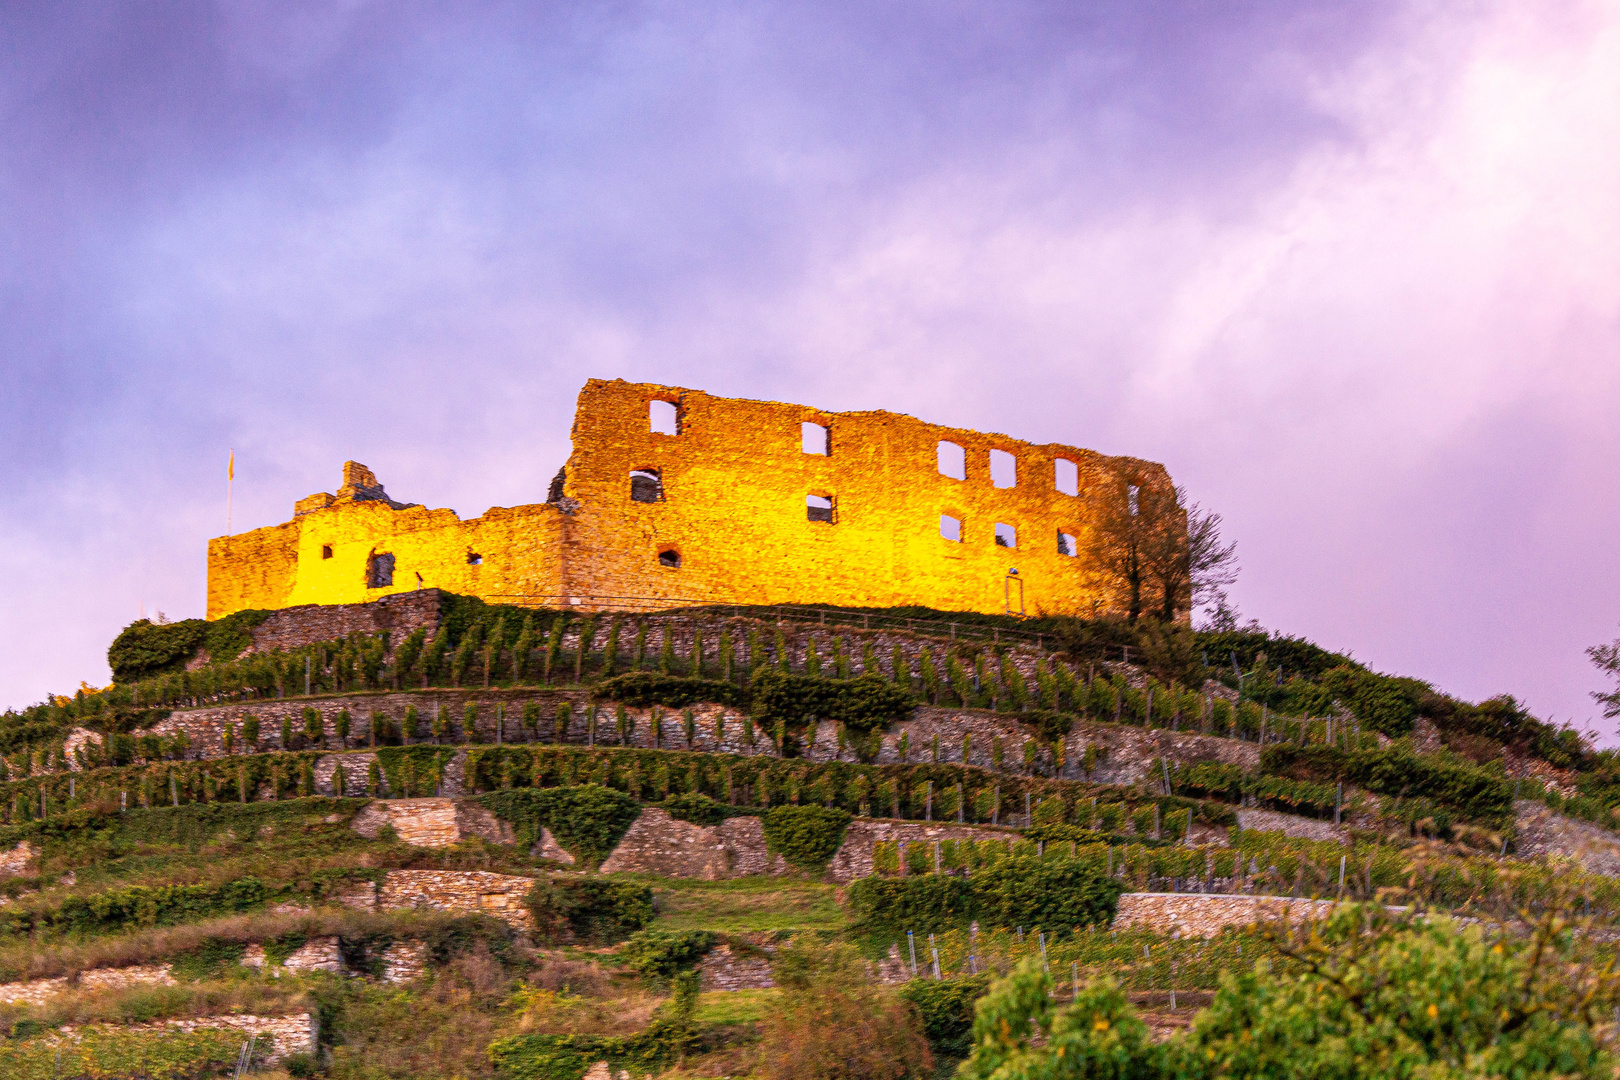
[(1351, 272)]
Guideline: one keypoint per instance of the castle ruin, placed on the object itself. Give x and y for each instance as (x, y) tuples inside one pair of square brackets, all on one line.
[(675, 496)]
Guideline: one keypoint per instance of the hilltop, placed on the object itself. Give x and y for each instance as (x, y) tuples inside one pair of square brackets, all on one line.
[(436, 836)]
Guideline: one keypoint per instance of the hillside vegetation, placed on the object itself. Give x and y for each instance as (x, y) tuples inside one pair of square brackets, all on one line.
[(209, 825)]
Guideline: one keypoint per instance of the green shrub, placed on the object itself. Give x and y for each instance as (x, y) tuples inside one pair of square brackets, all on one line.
[(642, 688), (1382, 702), (926, 903), (864, 704), (1055, 894), (696, 807), (594, 910), (588, 820), (1051, 726), (144, 648), (946, 1008), (135, 906), (659, 954), (1473, 793), (806, 836)]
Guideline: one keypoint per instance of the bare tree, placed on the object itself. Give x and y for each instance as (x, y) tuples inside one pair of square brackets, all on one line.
[(1128, 534), (1607, 660), (1184, 553)]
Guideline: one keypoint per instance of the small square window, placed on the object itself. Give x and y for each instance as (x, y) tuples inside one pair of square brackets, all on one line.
[(1003, 469), (663, 418), (815, 439), (952, 461), (818, 508), (1068, 545), (474, 559), (326, 551), (670, 557), (1006, 535), (950, 528)]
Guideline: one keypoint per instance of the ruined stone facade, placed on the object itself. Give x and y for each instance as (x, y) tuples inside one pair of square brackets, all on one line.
[(820, 508)]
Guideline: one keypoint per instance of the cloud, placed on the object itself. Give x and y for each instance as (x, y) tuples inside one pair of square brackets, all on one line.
[(1351, 275)]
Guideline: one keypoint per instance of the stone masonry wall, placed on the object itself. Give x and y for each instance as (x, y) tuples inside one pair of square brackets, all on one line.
[(733, 482), (463, 892), (1205, 915), (295, 1034)]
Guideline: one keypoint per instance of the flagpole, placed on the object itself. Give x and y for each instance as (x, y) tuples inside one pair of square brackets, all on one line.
[(230, 484)]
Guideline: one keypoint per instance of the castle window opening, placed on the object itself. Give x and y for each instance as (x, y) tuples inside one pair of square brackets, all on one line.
[(380, 570), (1133, 497), (950, 528), (1066, 476), (1067, 545), (646, 486), (473, 558), (818, 508), (952, 461), (1003, 469), (670, 557), (815, 439), (326, 551), (1006, 535), (663, 417)]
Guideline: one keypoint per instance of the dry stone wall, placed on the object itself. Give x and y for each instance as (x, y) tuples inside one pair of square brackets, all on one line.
[(288, 1035), (38, 991), (1539, 831), (659, 844), (1206, 914), (462, 892), (16, 860)]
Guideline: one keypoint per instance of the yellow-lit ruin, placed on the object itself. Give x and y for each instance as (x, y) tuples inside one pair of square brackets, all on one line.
[(675, 496)]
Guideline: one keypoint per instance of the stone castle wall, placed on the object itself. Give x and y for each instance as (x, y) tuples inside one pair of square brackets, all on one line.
[(730, 490)]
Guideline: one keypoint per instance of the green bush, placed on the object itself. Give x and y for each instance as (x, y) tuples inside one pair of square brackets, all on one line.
[(660, 954), (1053, 894), (1473, 793), (136, 906), (1382, 702), (926, 903), (642, 688), (144, 648), (594, 910), (588, 820), (1051, 726), (946, 1008), (696, 807), (864, 704), (806, 836)]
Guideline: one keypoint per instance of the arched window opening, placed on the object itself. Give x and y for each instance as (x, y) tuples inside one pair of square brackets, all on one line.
[(663, 417), (1066, 476), (818, 508), (1006, 535), (815, 439), (670, 557), (646, 486), (952, 461), (1068, 545), (1003, 469), (950, 528), (473, 558)]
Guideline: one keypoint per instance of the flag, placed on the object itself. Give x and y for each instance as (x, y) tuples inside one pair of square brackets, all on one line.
[(230, 467)]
